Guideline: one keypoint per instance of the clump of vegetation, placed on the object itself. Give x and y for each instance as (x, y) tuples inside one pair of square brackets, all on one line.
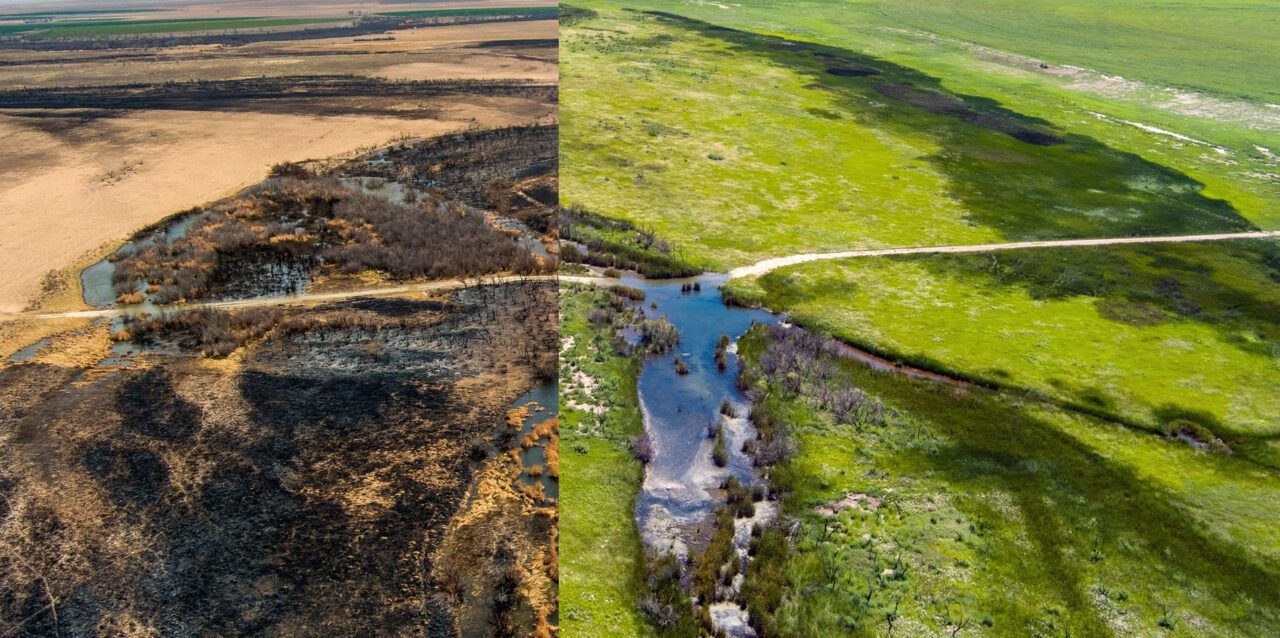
[(738, 294), (213, 333), (614, 243), (719, 451), (627, 292), (722, 352), (269, 238), (666, 606), (659, 335), (642, 448), (682, 368)]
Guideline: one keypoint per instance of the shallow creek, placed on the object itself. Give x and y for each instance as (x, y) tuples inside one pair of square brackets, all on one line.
[(543, 405), (682, 483)]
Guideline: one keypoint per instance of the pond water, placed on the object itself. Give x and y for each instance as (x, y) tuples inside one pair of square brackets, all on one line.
[(95, 280), (680, 482), (543, 403), (28, 353)]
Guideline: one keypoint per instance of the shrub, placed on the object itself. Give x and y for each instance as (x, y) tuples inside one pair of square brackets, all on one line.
[(720, 453), (682, 368), (642, 448)]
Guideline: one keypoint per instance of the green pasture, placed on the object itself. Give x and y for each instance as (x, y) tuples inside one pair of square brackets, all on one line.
[(1006, 518), (601, 557)]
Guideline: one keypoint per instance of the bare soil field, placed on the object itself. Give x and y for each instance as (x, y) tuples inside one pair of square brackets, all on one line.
[(99, 144), (499, 50)]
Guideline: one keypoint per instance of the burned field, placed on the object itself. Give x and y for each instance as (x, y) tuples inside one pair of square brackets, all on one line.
[(409, 212), (296, 467), (116, 134), (316, 95), (301, 486), (510, 170), (50, 34)]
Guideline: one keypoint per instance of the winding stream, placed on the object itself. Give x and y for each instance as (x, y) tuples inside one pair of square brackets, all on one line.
[(682, 483), (674, 510)]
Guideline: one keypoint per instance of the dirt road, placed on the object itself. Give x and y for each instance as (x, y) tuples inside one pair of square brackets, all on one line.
[(430, 286), (775, 263)]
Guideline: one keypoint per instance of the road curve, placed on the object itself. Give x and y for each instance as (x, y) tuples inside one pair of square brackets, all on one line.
[(762, 267), (445, 284)]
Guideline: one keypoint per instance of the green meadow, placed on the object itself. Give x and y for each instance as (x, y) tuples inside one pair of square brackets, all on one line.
[(1113, 469), (1224, 142), (979, 513), (1146, 334), (601, 558), (741, 146)]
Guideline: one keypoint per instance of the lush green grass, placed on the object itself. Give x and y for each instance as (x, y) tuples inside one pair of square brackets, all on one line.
[(1146, 333), (601, 557), (1219, 45), (1016, 518), (616, 243), (549, 12), (740, 146), (103, 28), (1230, 164)]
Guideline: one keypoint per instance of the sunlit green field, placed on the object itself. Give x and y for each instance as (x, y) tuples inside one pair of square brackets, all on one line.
[(1163, 42), (1003, 517), (601, 559), (1227, 142), (740, 146), (1148, 334)]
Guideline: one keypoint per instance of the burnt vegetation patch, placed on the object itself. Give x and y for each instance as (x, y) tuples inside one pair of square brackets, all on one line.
[(511, 170), (306, 487), (366, 25), (311, 94), (275, 236)]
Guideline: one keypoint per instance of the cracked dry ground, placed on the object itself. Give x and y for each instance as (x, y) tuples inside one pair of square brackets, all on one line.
[(306, 485)]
